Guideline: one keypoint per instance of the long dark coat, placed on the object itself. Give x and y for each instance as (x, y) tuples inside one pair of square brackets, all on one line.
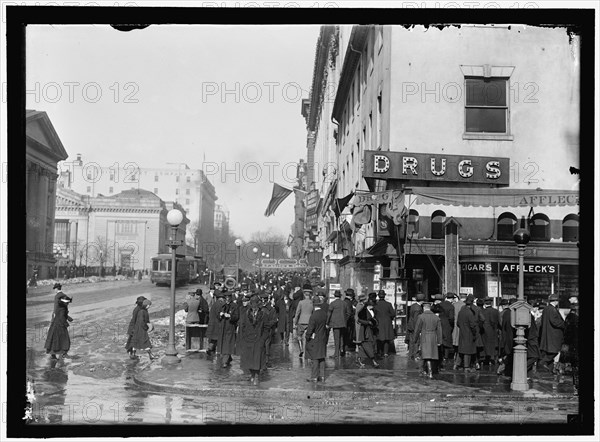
[(413, 313), (508, 334), (282, 307), (384, 312), (428, 331), (446, 312), (366, 330), (58, 340), (532, 336), (467, 331), (552, 330), (571, 337), (252, 340), (227, 328), (480, 320), (128, 345), (316, 348), (350, 323), (212, 331), (458, 305), (490, 331), (140, 339), (337, 314)]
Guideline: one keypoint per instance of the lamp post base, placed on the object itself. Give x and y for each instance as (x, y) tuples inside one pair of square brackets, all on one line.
[(170, 360)]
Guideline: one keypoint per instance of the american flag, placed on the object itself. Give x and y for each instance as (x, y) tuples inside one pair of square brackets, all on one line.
[(279, 194)]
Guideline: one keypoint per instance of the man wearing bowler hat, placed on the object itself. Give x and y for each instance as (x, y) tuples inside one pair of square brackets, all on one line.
[(385, 314), (415, 310), (303, 312), (337, 316), (468, 330), (551, 333)]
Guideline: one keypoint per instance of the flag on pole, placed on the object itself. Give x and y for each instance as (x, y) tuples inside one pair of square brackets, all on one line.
[(279, 194)]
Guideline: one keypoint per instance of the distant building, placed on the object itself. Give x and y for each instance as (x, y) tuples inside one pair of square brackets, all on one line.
[(124, 230), (43, 150), (188, 187), (221, 221)]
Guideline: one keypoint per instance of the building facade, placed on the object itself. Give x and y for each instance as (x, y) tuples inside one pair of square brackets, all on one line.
[(120, 231), (43, 150), (190, 188), (465, 131)]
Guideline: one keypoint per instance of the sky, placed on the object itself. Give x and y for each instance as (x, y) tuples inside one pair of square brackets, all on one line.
[(182, 93)]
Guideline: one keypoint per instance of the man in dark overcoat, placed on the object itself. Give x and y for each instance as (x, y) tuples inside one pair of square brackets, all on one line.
[(467, 333), (490, 332), (428, 332), (252, 339), (458, 304), (282, 308), (349, 299), (212, 331), (413, 313), (447, 318), (551, 333), (228, 319), (337, 316), (477, 308), (508, 336), (385, 314), (316, 339), (270, 323)]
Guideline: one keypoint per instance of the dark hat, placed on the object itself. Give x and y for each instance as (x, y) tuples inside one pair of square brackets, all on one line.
[(198, 291), (219, 294), (470, 299), (381, 294), (420, 297), (246, 297), (369, 302), (480, 301), (307, 286), (57, 286), (218, 283), (372, 295), (488, 301), (438, 297), (553, 297), (212, 287), (504, 302), (450, 295), (427, 303), (337, 294), (350, 293), (140, 299), (264, 295), (536, 304), (362, 297)]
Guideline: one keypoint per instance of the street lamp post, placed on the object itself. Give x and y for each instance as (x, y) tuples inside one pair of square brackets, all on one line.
[(520, 317), (260, 267), (255, 250), (174, 217)]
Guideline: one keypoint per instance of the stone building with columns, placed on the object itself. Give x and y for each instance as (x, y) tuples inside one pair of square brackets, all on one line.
[(43, 150), (118, 231)]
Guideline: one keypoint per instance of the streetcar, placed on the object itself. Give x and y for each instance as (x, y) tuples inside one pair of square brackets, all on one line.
[(187, 269)]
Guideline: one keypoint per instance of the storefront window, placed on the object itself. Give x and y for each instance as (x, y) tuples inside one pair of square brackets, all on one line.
[(413, 224), (540, 227)]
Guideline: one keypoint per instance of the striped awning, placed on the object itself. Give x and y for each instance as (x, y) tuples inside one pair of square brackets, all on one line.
[(485, 197)]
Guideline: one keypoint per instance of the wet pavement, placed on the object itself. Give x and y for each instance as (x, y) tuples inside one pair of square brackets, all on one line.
[(99, 384)]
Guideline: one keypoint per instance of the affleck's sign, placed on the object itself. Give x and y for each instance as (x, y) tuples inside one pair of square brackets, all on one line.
[(436, 167)]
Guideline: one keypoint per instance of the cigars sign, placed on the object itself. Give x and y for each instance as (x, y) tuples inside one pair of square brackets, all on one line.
[(436, 167)]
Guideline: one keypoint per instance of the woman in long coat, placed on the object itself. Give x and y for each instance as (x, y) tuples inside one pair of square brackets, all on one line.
[(58, 341), (366, 334), (136, 309), (467, 334), (228, 318), (316, 339), (428, 332), (252, 339), (140, 339)]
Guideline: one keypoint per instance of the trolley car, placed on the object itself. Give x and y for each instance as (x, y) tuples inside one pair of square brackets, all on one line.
[(187, 269)]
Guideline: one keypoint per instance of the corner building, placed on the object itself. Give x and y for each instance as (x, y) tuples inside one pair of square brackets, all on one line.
[(471, 129)]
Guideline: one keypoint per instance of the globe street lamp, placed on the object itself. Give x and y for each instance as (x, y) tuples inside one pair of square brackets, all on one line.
[(255, 250), (263, 254), (174, 217), (520, 317), (238, 244)]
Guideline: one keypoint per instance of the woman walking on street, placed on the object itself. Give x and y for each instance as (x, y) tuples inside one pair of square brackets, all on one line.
[(128, 346), (58, 341), (366, 334), (140, 339)]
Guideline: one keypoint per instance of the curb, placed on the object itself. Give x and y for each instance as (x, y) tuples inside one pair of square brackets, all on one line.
[(297, 394)]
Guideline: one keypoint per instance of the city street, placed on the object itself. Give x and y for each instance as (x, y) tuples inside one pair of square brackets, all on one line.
[(100, 384)]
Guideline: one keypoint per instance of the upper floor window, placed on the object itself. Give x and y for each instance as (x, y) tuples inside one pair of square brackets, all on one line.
[(89, 189), (187, 191), (188, 179), (110, 190), (155, 178), (506, 226), (570, 228), (486, 105), (437, 224), (156, 190), (177, 178), (413, 223), (539, 227)]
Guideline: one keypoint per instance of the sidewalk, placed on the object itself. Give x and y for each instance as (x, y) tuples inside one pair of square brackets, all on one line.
[(397, 378)]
